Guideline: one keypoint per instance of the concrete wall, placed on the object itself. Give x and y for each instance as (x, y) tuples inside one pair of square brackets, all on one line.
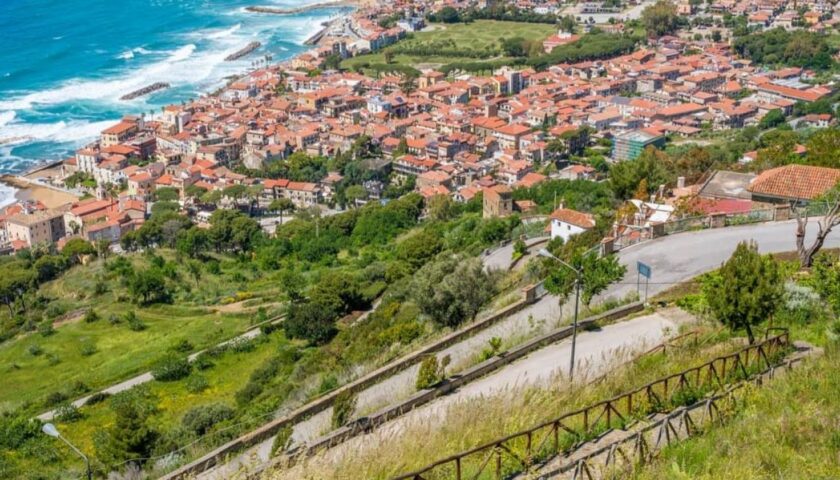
[(422, 397)]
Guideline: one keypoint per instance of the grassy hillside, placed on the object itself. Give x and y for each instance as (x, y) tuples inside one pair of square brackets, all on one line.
[(787, 429)]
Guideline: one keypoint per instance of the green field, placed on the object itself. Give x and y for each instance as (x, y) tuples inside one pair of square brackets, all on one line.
[(478, 36), (35, 366)]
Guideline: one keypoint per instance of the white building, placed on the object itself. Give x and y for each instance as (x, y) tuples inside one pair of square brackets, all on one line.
[(566, 222)]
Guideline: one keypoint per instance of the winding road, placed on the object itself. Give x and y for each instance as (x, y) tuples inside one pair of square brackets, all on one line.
[(673, 259)]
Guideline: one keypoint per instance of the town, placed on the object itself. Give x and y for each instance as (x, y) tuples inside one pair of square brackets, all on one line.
[(447, 239), (454, 134)]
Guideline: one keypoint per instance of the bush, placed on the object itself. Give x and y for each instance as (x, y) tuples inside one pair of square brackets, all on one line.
[(91, 316), (343, 408), (283, 440), (184, 346), (114, 319), (88, 349), (16, 429), (35, 350), (53, 359), (78, 387), (134, 322), (202, 361), (97, 397), (67, 413), (55, 398), (196, 384), (45, 328), (431, 372), (200, 419), (171, 367)]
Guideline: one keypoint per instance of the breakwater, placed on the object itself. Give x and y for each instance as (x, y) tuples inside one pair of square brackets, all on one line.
[(243, 51), (145, 90), (303, 9)]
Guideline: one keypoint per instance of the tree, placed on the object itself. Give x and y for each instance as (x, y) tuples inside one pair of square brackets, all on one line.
[(597, 274), (823, 148), (192, 242), (75, 248), (14, 282), (452, 290), (772, 119), (311, 321), (660, 18), (448, 15), (431, 372), (441, 208), (130, 436), (650, 166), (408, 84), (282, 206), (567, 23), (353, 193), (746, 291), (166, 194), (831, 219), (149, 286)]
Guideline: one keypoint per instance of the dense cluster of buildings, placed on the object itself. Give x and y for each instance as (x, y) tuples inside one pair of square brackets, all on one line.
[(457, 135)]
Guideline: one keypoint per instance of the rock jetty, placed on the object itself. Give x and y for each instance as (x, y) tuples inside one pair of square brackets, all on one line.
[(243, 51), (145, 90)]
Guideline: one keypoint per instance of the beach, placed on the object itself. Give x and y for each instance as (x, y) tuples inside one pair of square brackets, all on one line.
[(27, 190)]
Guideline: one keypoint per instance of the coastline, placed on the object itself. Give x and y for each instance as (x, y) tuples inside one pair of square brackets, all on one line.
[(303, 9), (28, 190)]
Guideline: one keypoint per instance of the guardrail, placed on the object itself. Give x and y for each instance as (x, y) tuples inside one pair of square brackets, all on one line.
[(524, 450)]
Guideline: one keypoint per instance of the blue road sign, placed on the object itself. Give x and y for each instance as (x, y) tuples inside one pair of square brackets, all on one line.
[(644, 270)]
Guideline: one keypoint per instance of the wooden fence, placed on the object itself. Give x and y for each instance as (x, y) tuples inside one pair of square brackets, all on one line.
[(523, 451)]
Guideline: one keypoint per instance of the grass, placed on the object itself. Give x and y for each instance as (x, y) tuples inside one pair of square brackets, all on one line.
[(481, 35), (229, 374), (788, 429), (478, 420), (120, 352)]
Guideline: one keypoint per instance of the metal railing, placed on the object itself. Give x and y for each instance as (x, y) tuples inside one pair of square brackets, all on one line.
[(523, 451)]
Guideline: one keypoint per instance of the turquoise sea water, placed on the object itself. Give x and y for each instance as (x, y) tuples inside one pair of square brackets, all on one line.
[(65, 63)]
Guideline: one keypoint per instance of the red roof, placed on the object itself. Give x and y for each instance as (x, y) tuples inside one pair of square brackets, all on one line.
[(802, 182), (573, 217)]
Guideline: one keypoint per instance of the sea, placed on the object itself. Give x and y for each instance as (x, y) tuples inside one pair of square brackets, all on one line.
[(65, 64)]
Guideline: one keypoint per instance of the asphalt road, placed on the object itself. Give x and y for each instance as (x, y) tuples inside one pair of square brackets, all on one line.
[(673, 259), (596, 352)]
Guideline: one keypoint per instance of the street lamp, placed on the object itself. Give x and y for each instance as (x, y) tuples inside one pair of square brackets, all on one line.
[(49, 429), (578, 280)]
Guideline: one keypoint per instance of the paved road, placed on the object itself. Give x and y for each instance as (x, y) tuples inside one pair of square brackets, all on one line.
[(674, 258), (502, 258), (596, 352), (677, 258)]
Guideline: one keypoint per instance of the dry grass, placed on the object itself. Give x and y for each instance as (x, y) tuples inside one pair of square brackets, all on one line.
[(465, 424)]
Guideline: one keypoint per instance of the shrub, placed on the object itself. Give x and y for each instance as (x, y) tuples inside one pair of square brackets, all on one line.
[(171, 367), (494, 345), (97, 397), (184, 346), (55, 398), (196, 384), (45, 328), (35, 350), (431, 372), (134, 322), (16, 429), (68, 413), (283, 440), (53, 359), (91, 316), (202, 361), (78, 387), (200, 419), (88, 349), (343, 408), (114, 319)]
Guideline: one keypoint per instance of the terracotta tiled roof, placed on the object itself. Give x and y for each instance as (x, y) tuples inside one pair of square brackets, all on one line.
[(573, 217), (795, 181)]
